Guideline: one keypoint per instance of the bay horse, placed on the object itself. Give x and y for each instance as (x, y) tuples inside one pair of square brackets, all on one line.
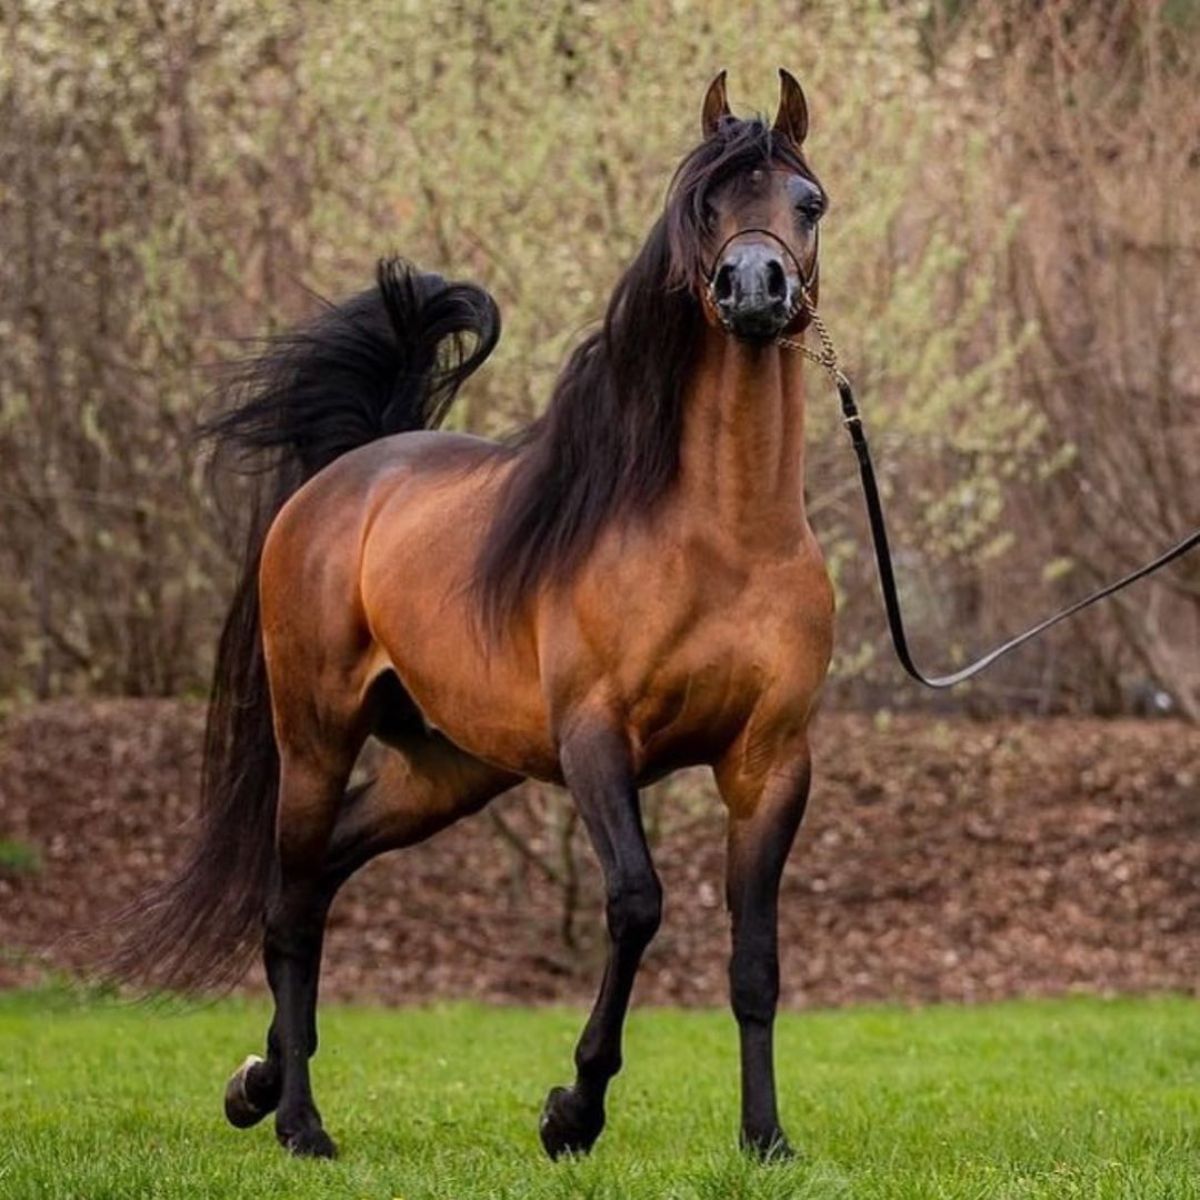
[(627, 587)]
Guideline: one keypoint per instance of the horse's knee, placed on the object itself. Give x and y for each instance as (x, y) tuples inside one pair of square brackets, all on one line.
[(635, 910)]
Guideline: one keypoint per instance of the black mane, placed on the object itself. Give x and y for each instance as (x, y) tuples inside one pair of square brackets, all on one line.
[(608, 445)]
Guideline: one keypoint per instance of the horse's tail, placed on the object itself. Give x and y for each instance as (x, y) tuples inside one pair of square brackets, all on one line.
[(387, 361)]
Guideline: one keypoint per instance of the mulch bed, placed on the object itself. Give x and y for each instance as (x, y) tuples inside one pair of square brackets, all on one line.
[(940, 860)]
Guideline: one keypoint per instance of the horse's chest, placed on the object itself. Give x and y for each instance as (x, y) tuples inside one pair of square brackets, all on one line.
[(692, 665)]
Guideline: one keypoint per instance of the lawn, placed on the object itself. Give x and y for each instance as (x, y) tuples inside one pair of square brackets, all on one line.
[(1072, 1098)]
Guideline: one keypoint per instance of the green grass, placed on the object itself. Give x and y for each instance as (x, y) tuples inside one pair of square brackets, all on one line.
[(1074, 1098)]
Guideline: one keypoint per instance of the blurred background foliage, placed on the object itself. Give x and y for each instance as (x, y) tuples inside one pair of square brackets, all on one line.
[(1010, 268)]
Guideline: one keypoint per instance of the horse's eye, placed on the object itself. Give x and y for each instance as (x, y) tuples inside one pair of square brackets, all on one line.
[(807, 199), (811, 210)]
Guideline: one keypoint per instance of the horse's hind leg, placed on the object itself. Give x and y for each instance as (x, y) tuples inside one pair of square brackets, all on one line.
[(310, 794), (419, 790), (597, 771), (292, 942)]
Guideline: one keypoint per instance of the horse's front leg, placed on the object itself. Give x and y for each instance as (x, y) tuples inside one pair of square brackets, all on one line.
[(597, 770), (765, 810)]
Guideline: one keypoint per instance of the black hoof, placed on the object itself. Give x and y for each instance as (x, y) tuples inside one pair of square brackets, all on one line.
[(313, 1142), (569, 1125), (251, 1093), (768, 1146)]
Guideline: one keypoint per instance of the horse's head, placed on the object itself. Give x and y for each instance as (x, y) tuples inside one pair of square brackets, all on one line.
[(742, 217)]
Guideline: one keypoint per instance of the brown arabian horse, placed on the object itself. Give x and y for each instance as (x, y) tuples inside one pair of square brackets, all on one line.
[(627, 587)]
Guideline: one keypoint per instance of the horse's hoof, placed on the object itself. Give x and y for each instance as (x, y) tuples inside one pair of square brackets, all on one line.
[(568, 1124), (308, 1143), (768, 1145), (245, 1104)]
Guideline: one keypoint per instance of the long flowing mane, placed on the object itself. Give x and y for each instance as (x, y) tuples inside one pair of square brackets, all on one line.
[(608, 445)]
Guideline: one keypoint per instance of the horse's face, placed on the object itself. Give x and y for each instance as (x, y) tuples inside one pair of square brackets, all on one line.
[(760, 224)]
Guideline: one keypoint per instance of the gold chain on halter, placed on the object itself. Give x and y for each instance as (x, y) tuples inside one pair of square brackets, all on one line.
[(827, 356)]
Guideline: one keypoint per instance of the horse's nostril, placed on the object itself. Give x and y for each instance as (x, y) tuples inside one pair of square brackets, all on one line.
[(776, 280), (723, 287)]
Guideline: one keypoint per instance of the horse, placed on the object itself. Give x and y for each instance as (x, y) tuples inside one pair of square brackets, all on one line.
[(628, 586)]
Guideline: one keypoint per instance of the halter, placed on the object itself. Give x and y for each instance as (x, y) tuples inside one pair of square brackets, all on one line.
[(802, 298), (827, 357)]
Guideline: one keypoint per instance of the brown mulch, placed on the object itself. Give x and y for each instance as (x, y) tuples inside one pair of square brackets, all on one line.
[(941, 860)]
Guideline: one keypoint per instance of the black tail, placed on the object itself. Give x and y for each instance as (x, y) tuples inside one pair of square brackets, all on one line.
[(387, 361)]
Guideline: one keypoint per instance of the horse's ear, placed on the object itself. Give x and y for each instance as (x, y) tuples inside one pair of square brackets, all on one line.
[(792, 118), (716, 106)]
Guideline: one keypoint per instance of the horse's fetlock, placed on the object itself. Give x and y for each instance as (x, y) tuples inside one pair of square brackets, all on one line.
[(597, 1068)]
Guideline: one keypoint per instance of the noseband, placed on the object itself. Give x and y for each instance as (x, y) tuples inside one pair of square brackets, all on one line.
[(802, 298)]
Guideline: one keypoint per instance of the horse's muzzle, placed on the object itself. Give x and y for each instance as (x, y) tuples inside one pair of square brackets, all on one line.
[(754, 292)]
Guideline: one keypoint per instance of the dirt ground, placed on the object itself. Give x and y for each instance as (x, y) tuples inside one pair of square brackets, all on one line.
[(940, 860)]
